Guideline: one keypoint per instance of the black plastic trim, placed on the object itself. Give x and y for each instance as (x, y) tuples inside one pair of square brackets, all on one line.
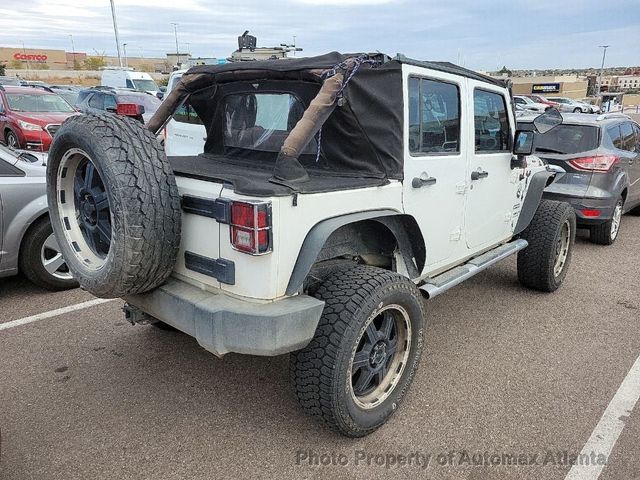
[(217, 209), (222, 270), (316, 239), (537, 184)]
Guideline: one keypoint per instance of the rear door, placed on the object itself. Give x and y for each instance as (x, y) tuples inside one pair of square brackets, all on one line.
[(492, 183), (435, 161)]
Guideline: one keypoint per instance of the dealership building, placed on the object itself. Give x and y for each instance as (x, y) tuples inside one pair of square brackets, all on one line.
[(560, 86)]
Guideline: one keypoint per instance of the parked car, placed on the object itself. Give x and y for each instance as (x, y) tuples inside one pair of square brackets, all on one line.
[(27, 240), (529, 104), (29, 117), (184, 134), (601, 155), (540, 99), (14, 81), (573, 106), (276, 239), (121, 101), (125, 78), (68, 92)]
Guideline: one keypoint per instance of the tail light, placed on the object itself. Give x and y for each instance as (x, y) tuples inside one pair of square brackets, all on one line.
[(251, 227), (129, 109), (598, 163)]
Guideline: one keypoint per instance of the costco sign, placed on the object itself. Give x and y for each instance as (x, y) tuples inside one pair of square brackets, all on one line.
[(30, 58)]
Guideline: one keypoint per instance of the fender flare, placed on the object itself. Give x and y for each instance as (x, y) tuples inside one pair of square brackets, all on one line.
[(537, 184), (318, 235)]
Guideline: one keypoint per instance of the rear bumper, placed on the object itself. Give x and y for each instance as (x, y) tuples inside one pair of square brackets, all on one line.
[(583, 193), (223, 324)]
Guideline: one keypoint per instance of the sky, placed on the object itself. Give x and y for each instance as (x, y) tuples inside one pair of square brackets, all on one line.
[(483, 35)]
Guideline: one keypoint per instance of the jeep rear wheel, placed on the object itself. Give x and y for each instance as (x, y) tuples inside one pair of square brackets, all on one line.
[(114, 205), (365, 352), (551, 235)]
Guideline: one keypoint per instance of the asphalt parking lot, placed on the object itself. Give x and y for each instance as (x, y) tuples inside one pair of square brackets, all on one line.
[(86, 395)]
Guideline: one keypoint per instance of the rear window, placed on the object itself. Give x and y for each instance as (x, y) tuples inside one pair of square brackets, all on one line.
[(261, 121), (566, 139), (149, 102)]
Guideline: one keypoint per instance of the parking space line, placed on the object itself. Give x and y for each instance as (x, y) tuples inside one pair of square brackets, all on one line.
[(54, 313), (610, 426)]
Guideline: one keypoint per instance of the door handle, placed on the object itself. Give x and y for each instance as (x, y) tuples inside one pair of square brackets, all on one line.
[(478, 174), (423, 181)]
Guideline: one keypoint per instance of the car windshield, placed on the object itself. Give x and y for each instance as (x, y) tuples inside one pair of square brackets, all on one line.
[(146, 85), (149, 102), (70, 97), (27, 102), (567, 139)]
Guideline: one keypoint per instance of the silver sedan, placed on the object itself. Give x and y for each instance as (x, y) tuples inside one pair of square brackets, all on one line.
[(27, 243)]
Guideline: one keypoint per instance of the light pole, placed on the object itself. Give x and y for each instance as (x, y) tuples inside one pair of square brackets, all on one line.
[(73, 52), (115, 29), (175, 32), (126, 62), (604, 54), (24, 51)]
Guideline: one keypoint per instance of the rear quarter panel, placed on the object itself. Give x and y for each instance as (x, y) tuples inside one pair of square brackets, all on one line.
[(267, 276)]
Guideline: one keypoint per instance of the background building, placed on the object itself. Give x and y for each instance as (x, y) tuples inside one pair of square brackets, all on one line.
[(570, 86)]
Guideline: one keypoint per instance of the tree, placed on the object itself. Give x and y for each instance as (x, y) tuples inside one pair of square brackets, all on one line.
[(504, 70), (2, 69), (94, 63)]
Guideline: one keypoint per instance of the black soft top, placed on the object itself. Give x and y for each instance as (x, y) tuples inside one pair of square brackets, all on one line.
[(361, 138)]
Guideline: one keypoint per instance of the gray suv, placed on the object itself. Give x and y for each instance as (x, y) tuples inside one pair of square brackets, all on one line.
[(27, 243), (601, 157)]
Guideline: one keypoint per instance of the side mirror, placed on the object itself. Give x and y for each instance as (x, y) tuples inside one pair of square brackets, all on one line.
[(549, 120), (523, 144)]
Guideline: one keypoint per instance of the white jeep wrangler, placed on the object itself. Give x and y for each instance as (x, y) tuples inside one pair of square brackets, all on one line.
[(334, 193)]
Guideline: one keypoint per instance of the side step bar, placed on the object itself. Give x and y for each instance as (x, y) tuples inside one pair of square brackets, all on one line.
[(443, 282)]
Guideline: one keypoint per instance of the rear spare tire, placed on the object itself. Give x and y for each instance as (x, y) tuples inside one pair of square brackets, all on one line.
[(114, 204)]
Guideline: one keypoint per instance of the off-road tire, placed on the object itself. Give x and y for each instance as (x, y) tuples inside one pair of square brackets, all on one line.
[(30, 262), (602, 234), (319, 372), (537, 262), (143, 200)]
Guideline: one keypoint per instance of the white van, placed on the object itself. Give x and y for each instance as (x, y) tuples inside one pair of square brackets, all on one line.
[(123, 78), (185, 134)]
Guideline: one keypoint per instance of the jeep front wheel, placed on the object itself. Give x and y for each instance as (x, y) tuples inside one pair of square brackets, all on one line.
[(551, 235), (360, 363)]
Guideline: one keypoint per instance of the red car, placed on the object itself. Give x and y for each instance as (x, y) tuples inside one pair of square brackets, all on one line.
[(541, 99), (29, 117)]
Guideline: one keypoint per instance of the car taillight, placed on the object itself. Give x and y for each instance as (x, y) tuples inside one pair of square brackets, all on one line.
[(598, 163), (251, 227), (129, 109)]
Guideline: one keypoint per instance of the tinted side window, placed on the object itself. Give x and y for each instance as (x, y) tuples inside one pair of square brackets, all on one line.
[(130, 84), (186, 114), (636, 128), (491, 122), (615, 136), (628, 137), (8, 170), (110, 102), (434, 116), (97, 101)]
